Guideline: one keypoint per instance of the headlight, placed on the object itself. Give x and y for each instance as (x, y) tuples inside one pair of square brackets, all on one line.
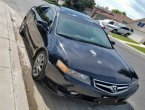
[(81, 77)]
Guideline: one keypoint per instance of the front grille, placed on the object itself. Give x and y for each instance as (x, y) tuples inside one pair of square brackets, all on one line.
[(110, 87)]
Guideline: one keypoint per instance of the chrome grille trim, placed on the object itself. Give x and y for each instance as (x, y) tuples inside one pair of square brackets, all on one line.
[(107, 86)]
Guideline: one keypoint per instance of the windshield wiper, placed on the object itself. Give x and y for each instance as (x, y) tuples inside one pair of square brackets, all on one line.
[(96, 44), (66, 36), (89, 42), (77, 39)]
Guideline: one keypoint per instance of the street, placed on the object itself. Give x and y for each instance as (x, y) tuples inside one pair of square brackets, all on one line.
[(40, 97)]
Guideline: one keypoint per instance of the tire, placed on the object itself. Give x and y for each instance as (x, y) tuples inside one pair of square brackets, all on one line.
[(126, 35), (114, 31), (22, 29), (39, 65)]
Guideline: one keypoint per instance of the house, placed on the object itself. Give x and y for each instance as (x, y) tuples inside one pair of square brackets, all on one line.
[(100, 13), (139, 30), (138, 26), (61, 2), (122, 18)]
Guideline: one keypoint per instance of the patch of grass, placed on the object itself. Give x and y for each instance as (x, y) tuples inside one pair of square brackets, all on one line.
[(120, 37), (137, 47)]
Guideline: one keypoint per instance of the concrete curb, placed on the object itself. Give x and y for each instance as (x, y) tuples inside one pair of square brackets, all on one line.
[(20, 97), (128, 46)]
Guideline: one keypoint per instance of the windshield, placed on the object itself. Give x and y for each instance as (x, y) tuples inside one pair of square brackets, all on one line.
[(77, 29)]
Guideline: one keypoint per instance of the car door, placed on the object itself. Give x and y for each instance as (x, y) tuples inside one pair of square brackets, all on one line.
[(48, 17), (37, 33), (33, 32), (122, 30)]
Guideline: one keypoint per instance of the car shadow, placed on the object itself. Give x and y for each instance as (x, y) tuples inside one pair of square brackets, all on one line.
[(55, 102)]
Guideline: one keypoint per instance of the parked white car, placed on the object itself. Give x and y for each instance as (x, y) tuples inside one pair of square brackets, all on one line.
[(123, 31), (116, 27)]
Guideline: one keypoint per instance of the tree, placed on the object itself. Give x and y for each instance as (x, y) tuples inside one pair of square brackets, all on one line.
[(79, 5), (118, 11), (124, 13)]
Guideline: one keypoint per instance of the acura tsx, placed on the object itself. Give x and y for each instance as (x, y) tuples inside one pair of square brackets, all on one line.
[(75, 54)]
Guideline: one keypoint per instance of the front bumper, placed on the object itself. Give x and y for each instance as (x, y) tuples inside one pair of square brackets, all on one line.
[(69, 86)]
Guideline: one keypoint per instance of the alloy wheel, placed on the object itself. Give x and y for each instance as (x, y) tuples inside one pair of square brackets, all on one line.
[(38, 65)]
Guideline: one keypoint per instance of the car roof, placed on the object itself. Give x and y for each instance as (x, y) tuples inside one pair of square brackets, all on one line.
[(71, 12), (76, 14)]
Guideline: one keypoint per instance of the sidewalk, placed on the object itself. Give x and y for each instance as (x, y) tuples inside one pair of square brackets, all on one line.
[(12, 89)]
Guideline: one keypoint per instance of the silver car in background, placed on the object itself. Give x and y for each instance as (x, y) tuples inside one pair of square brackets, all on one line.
[(116, 27)]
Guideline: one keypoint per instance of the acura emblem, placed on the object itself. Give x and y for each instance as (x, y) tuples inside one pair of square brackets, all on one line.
[(114, 88)]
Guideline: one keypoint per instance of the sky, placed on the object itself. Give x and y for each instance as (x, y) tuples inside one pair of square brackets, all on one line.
[(134, 9)]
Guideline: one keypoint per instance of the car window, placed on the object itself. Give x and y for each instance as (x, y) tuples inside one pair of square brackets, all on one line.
[(111, 22), (48, 15), (41, 9), (131, 30), (125, 28), (116, 23), (86, 31)]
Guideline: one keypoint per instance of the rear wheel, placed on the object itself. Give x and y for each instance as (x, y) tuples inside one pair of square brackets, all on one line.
[(126, 35), (114, 31), (39, 65)]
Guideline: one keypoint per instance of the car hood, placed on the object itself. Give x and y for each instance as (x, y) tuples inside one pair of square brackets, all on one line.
[(97, 62)]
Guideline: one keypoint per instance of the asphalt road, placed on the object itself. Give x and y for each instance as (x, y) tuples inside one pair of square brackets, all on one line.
[(41, 98)]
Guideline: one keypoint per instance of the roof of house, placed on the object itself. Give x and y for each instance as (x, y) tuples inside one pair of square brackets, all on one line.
[(122, 18), (104, 12), (118, 17)]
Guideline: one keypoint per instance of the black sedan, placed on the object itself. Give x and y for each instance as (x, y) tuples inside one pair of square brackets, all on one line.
[(75, 55)]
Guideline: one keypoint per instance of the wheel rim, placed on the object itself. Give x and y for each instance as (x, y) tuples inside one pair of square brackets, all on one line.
[(127, 35), (38, 65)]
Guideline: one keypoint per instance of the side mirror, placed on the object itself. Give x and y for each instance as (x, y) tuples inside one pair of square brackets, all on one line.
[(44, 23), (112, 42), (54, 1)]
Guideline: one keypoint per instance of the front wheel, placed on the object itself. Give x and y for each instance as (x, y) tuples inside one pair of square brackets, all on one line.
[(39, 65), (126, 35), (114, 31)]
